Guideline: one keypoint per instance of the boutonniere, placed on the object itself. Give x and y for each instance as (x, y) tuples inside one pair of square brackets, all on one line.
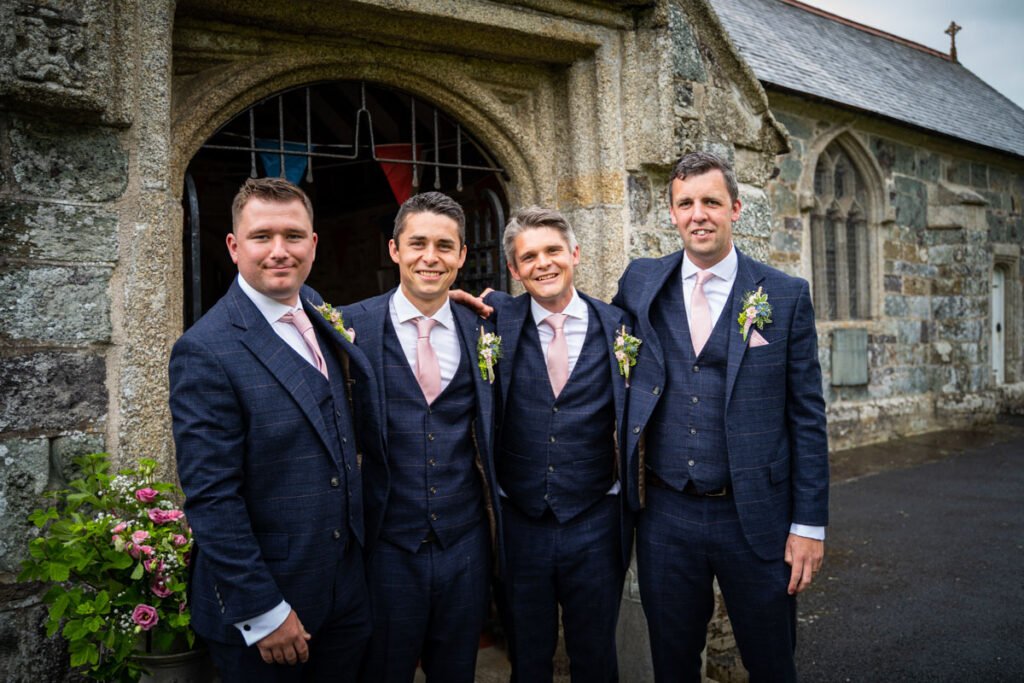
[(626, 349), (488, 350), (333, 316), (756, 311)]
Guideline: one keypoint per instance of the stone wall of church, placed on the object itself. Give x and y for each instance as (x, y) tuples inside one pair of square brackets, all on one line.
[(950, 213)]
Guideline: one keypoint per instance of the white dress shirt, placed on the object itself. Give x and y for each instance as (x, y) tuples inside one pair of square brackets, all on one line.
[(717, 290), (444, 338)]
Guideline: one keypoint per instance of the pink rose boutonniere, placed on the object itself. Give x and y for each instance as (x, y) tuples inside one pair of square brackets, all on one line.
[(333, 316), (756, 311), (626, 349), (488, 349)]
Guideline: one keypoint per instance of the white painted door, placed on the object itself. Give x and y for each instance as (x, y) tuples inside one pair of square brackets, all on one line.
[(998, 324)]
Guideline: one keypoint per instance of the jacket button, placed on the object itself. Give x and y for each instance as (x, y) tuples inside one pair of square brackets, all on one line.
[(694, 399), (348, 467), (691, 463), (433, 490), (336, 534), (433, 516), (636, 429), (335, 482), (430, 437), (344, 439), (247, 628), (656, 390), (551, 468), (552, 439), (545, 496), (554, 409), (431, 462), (696, 368), (693, 432)]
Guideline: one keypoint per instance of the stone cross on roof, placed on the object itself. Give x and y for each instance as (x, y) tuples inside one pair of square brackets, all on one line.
[(953, 29)]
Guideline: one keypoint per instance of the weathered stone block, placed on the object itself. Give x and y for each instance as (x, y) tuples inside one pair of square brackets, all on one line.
[(784, 201), (907, 306), (908, 331), (756, 215), (66, 56), (638, 188), (26, 654), (58, 232), (790, 169), (893, 283), (785, 242), (686, 60), (911, 202), (928, 166), (916, 285), (653, 243), (894, 157), (979, 175), (958, 307), (63, 162), (24, 471), (53, 391), (959, 173), (797, 126), (56, 304), (65, 448)]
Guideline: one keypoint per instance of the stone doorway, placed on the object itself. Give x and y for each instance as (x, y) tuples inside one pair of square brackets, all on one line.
[(358, 149)]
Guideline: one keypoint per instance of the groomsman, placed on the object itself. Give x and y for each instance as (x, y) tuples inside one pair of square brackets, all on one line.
[(567, 540), (427, 471)]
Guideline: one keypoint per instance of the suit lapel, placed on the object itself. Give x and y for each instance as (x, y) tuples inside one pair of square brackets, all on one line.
[(510, 329), (370, 340), (670, 267), (469, 331), (746, 281), (611, 323), (284, 364)]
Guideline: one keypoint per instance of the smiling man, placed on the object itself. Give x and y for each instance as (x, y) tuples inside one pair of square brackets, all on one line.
[(566, 538), (266, 456), (733, 482), (429, 478)]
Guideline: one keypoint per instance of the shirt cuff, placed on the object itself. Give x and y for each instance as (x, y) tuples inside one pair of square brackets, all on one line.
[(259, 627), (815, 532)]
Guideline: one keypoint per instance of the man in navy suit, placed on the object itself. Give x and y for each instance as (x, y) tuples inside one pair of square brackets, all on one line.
[(267, 458), (566, 538), (429, 478), (734, 476)]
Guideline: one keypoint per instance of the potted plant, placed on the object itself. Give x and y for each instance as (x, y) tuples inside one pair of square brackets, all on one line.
[(115, 548)]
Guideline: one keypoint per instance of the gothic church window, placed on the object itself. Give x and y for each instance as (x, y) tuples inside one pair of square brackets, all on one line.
[(839, 239)]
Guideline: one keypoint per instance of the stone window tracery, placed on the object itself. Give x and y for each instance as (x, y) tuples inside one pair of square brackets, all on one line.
[(839, 239)]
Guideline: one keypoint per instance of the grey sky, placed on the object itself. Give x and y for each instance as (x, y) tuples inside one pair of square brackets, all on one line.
[(991, 43)]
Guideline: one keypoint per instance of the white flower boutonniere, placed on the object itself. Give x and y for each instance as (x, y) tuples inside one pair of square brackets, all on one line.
[(488, 350), (756, 311), (626, 349), (333, 316)]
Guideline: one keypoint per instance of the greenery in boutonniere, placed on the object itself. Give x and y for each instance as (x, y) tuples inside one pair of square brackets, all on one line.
[(488, 349), (756, 311), (627, 347), (333, 316), (115, 548)]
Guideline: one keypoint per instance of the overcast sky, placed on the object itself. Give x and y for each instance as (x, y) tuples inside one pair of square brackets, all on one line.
[(991, 43)]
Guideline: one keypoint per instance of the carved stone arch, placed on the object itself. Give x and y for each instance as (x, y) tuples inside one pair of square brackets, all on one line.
[(205, 102), (878, 212)]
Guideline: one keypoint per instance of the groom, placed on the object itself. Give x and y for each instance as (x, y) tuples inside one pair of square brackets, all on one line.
[(266, 453)]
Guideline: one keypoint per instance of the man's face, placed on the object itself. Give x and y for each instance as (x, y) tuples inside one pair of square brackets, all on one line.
[(703, 214), (545, 265), (274, 245), (429, 254)]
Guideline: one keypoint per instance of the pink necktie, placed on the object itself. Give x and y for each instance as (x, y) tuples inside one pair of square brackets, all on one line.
[(305, 328), (700, 313), (428, 372), (558, 353)]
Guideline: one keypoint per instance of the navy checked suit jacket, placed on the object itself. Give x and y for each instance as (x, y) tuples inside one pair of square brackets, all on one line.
[(510, 314), (774, 410), (367, 317), (258, 469)]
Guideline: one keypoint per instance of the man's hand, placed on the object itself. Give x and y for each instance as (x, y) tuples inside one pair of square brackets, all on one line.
[(474, 302), (804, 555), (287, 644)]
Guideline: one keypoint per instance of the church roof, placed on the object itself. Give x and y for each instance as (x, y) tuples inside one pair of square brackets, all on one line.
[(799, 48)]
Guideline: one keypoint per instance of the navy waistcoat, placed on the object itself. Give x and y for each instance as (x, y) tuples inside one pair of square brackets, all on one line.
[(335, 410), (686, 432), (435, 484), (558, 453)]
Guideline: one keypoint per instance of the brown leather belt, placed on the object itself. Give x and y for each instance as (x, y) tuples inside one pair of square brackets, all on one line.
[(689, 490)]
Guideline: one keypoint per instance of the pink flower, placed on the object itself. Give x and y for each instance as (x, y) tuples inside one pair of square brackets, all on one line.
[(179, 540), (159, 587), (181, 607), (153, 565), (140, 536), (145, 616), (158, 516), (146, 495), (137, 550), (119, 528)]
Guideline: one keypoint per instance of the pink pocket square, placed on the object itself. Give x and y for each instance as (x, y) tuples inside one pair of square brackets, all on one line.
[(756, 339)]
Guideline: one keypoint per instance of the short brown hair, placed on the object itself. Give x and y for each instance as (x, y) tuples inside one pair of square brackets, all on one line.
[(431, 202), (269, 190), (699, 163), (535, 217)]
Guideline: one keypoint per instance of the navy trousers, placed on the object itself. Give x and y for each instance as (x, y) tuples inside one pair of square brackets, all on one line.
[(683, 543), (430, 607), (577, 565), (335, 649)]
